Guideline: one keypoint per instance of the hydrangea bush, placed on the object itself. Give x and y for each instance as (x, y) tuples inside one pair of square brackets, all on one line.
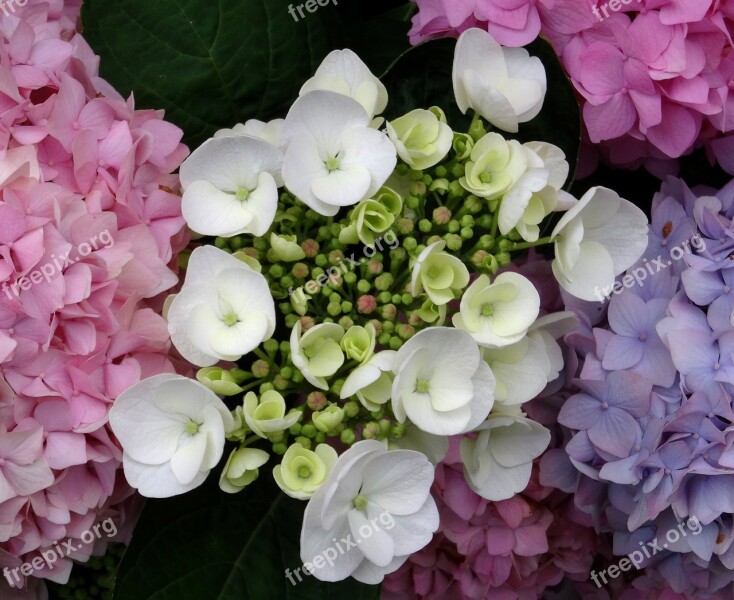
[(89, 231)]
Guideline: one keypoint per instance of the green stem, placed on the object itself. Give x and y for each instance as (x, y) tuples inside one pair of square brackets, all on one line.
[(524, 245)]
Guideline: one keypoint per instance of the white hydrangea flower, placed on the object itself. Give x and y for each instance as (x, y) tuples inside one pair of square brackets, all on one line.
[(334, 158), (271, 131), (172, 431), (499, 313), (317, 353), (372, 381), (441, 384), (506, 86), (231, 186), (223, 311), (498, 462), (343, 72), (597, 239), (377, 505)]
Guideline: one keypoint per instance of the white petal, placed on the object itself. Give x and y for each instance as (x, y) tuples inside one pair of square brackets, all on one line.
[(156, 481), (376, 546), (398, 481), (187, 460)]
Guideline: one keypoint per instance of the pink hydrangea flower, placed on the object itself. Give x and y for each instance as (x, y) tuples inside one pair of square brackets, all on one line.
[(655, 76), (90, 228)]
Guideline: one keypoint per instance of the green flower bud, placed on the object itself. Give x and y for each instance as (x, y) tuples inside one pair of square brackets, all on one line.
[(334, 309), (285, 248), (397, 430), (370, 217), (390, 199), (346, 322), (359, 342), (351, 409), (462, 145), (395, 343), (424, 225), (304, 441), (240, 430), (453, 242), (320, 437), (363, 286), (371, 431), (431, 313), (347, 436), (308, 430), (328, 419), (439, 185), (422, 140), (279, 448), (303, 471), (219, 381), (268, 415), (241, 469), (384, 281), (260, 369)]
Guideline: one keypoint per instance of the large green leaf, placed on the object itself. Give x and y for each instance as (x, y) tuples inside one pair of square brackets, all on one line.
[(213, 63), (208, 545), (422, 77)]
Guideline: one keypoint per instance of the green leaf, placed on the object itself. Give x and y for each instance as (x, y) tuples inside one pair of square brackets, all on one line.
[(211, 64), (208, 545), (422, 77)]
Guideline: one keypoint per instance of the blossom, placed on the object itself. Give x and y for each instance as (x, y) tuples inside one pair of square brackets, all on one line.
[(440, 274), (223, 311), (536, 193), (231, 186), (285, 248), (498, 462), (303, 471), (596, 240), (334, 158), (316, 353), (421, 138), (342, 71), (441, 383), (499, 313), (172, 433), (370, 488), (371, 382), (241, 469), (494, 166), (359, 342), (506, 86), (267, 415), (23, 468)]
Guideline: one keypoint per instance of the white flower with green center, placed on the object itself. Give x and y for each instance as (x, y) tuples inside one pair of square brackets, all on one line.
[(359, 342), (498, 462), (303, 471), (421, 137), (242, 468), (380, 497), (494, 166), (536, 193), (596, 240), (441, 275), (316, 353), (231, 186), (371, 382), (442, 385), (172, 432), (343, 72), (268, 414), (285, 248), (334, 158), (499, 313), (223, 311), (504, 85)]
